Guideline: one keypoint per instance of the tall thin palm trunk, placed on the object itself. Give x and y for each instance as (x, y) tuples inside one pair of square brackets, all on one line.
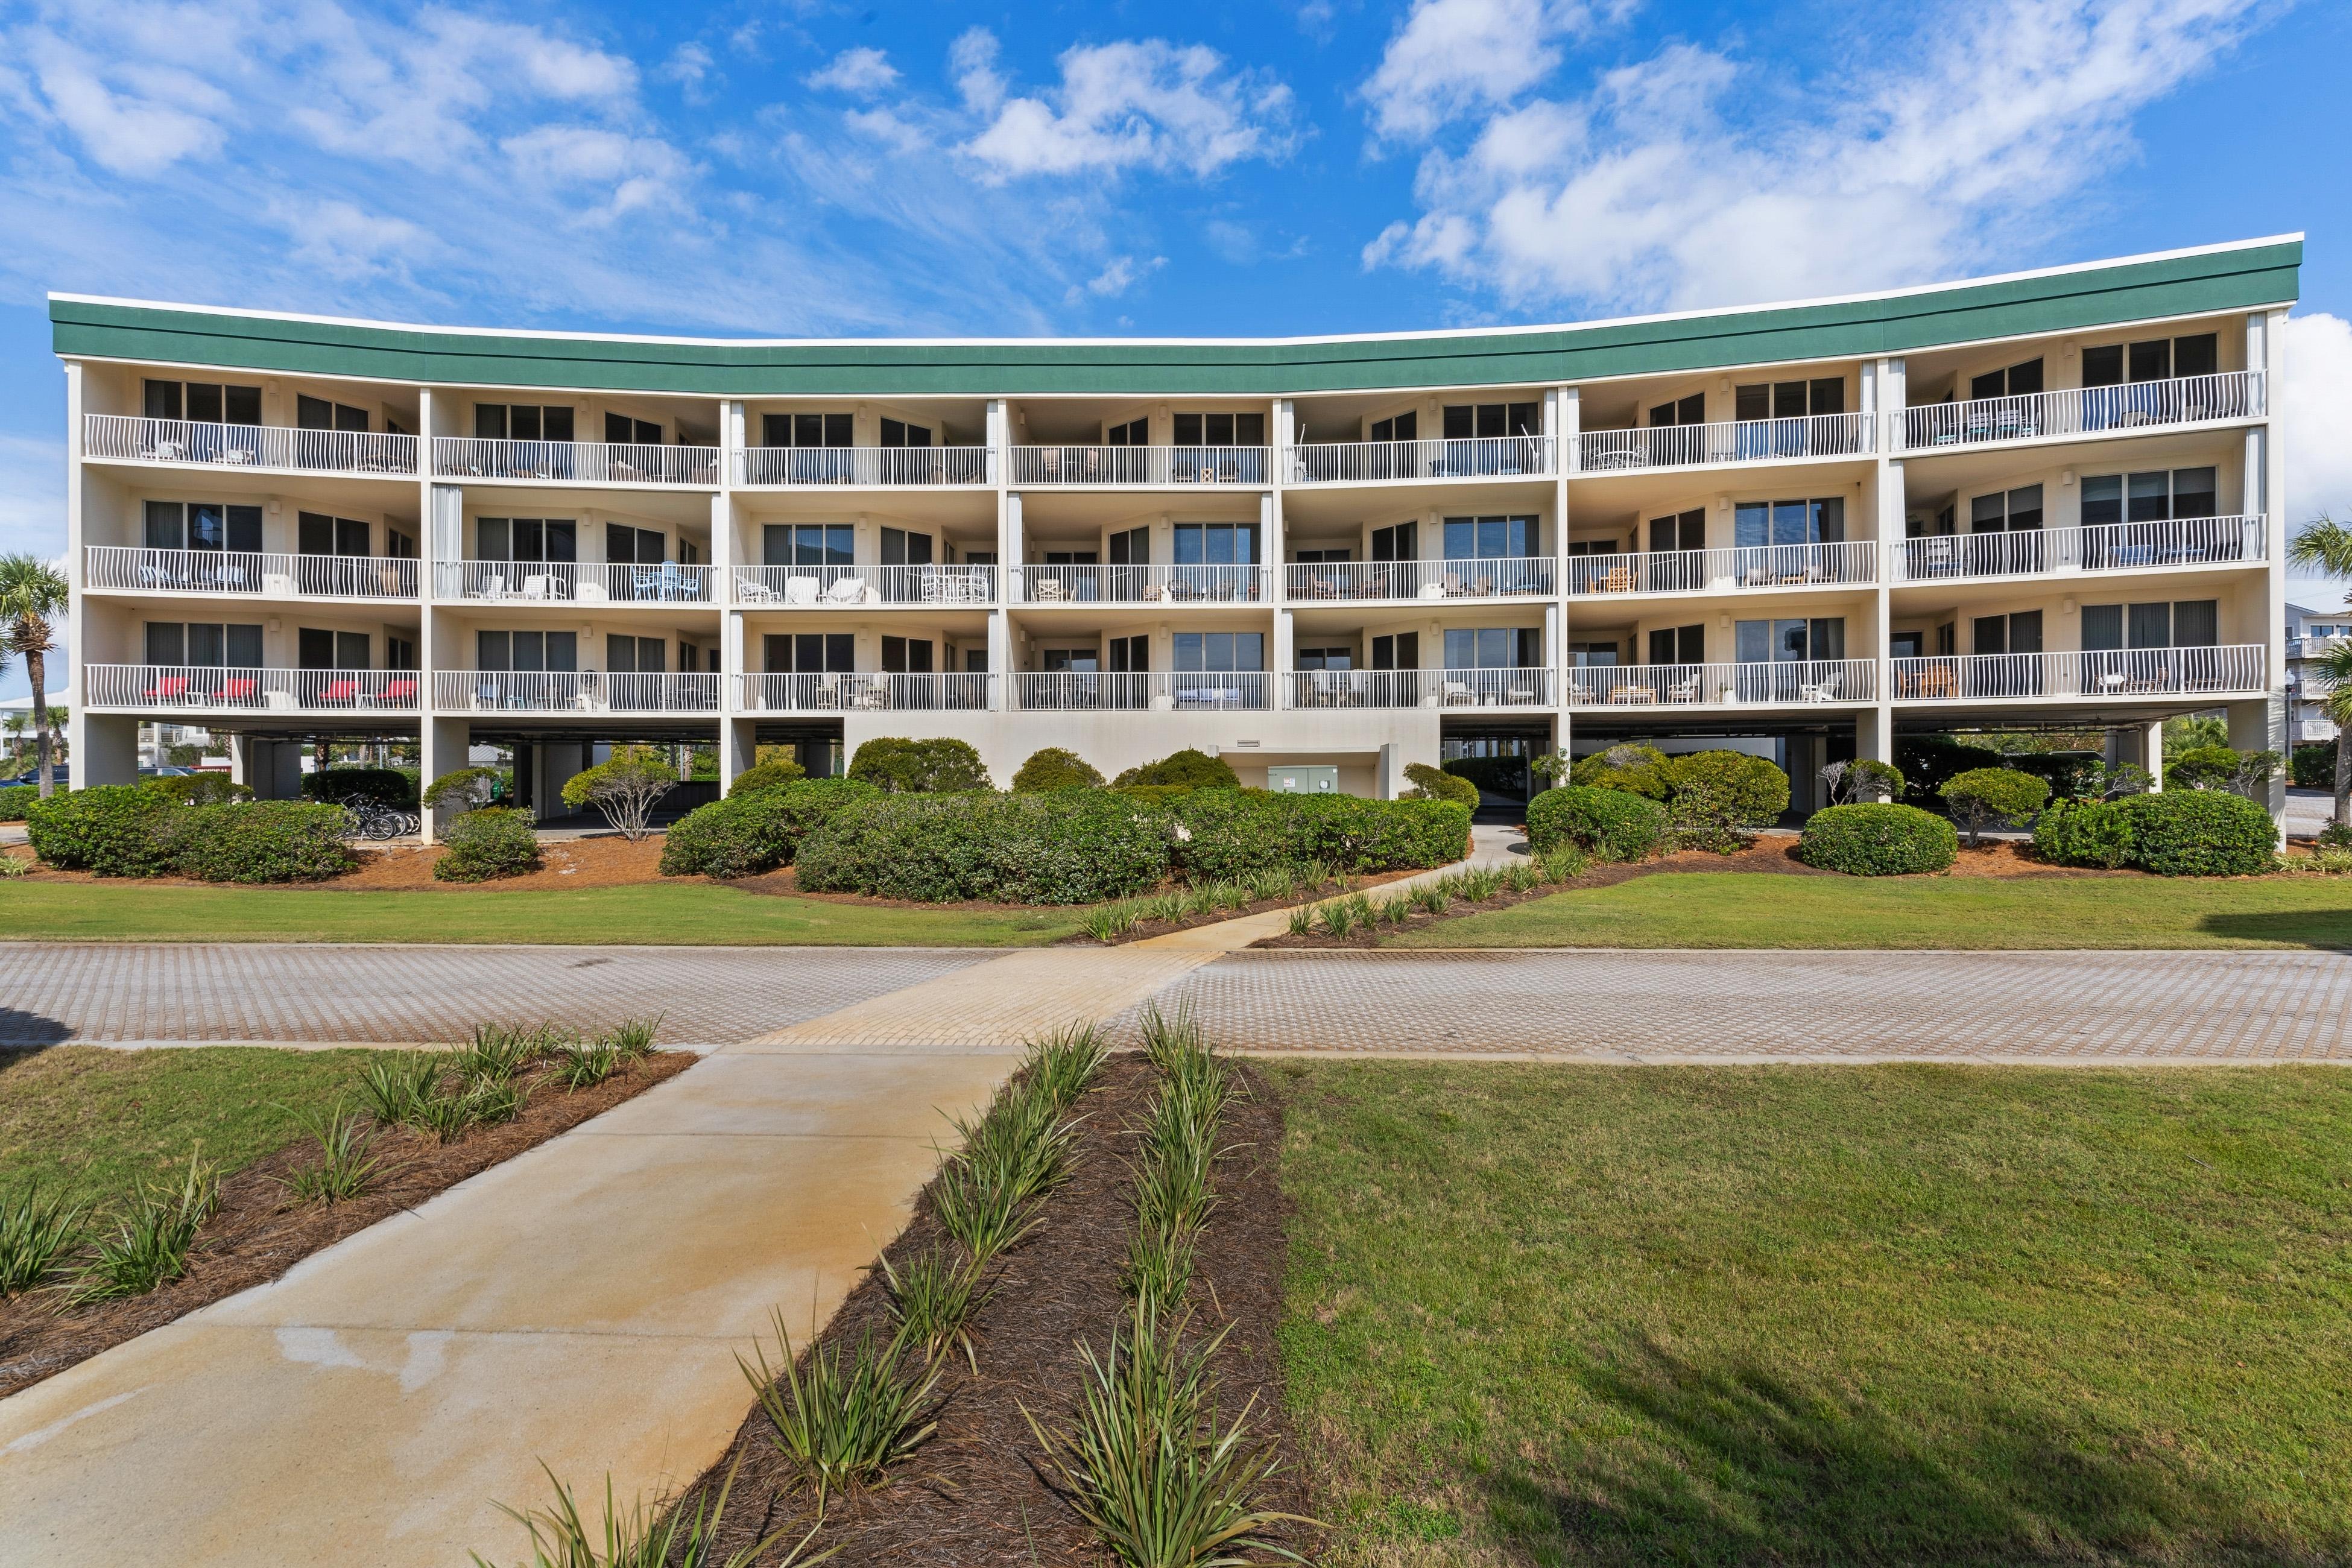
[(36, 671)]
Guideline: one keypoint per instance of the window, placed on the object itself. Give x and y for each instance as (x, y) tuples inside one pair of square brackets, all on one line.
[(1690, 410), (1493, 647), (1326, 659), (902, 655), (1130, 655), (1134, 432), (1592, 547), (2015, 381), (527, 651), (808, 544), (1403, 426), (625, 655), (901, 548), (1586, 655), (399, 653), (208, 643), (1216, 544), (1131, 547), (620, 430), (1678, 645), (1684, 531), (642, 546), (316, 649), (2183, 623), (1401, 651), (1755, 525), (2006, 509), (316, 533), (1072, 660), (1220, 650), (1398, 542), (2019, 632), (525, 539), (2148, 498), (398, 545), (1782, 400), (2158, 359), (1220, 429), (1489, 537), (899, 432), (810, 653), (806, 430), (204, 402), (1762, 642), (1465, 421), (1316, 556), (202, 525), (318, 414)]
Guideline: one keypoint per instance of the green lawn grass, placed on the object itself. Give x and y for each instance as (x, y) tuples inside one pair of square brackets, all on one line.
[(1872, 1315), (91, 1122), (680, 912), (1731, 909)]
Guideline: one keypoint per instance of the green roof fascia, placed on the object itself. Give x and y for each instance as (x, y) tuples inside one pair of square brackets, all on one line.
[(2232, 278)]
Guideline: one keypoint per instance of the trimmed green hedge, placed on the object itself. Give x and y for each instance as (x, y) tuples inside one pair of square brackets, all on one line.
[(1872, 840), (935, 766), (1611, 823), (1232, 833), (257, 841), (16, 800), (394, 787), (197, 789), (2176, 833), (108, 830), (2311, 765), (773, 775), (1633, 769), (488, 842), (1070, 847), (1187, 769), (1438, 783), (1981, 796), (2084, 833), (1056, 767), (753, 830)]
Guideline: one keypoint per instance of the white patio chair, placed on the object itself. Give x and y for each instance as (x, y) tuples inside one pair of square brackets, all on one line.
[(1823, 690), (1684, 691), (799, 590)]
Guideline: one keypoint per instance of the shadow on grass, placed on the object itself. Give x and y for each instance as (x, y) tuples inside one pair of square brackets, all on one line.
[(2327, 930), (1740, 1466)]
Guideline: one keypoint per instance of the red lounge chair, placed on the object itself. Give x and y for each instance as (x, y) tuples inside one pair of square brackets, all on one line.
[(168, 688), (340, 692), (399, 691), (238, 690)]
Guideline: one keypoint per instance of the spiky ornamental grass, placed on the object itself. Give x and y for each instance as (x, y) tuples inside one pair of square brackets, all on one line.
[(848, 1418), (633, 1039), (639, 1537), (149, 1245), (346, 1165), (1062, 1064), (584, 1064), (935, 1302), (37, 1233), (394, 1085)]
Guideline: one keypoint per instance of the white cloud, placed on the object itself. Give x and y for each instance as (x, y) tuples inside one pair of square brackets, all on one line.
[(1136, 104), (637, 171), (1692, 177), (344, 241), (1453, 57), (1114, 279), (689, 65), (2318, 423), (859, 71), (141, 125)]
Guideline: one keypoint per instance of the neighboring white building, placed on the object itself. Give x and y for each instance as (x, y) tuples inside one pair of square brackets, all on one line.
[(2310, 633), (2048, 500)]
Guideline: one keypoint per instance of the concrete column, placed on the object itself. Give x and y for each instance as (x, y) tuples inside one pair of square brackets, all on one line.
[(67, 684), (2150, 741), (2260, 725), (271, 769), (442, 745), (1389, 776), (105, 749), (1285, 657), (1567, 413), (738, 750), (1013, 546)]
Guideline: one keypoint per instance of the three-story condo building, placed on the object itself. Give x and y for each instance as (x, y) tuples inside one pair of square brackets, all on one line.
[(2041, 500)]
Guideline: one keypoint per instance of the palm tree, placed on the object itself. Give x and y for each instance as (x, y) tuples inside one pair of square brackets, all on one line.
[(32, 593), (2324, 546)]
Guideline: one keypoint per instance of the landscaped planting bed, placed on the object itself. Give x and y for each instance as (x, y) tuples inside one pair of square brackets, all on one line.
[(251, 1226)]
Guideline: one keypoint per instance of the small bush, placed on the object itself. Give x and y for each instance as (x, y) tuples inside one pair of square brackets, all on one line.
[(753, 830), (937, 766), (108, 829), (1861, 782), (258, 841), (1874, 840), (1072, 847), (2335, 836), (1187, 769), (624, 789), (1056, 767), (1436, 784), (2312, 765), (774, 773), (2084, 833), (1236, 835), (16, 800), (2199, 833), (1716, 797), (467, 789), (1982, 796), (489, 842), (197, 789), (2201, 767), (394, 787), (1635, 770), (1610, 823)]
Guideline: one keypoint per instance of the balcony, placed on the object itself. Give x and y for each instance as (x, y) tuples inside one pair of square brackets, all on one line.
[(1499, 577), (117, 568), (1850, 564), (573, 462), (850, 587), (1163, 691), (1374, 462), (267, 449), (1155, 584), (572, 691), (1140, 465), (2102, 547), (1732, 441), (955, 691), (566, 582), (212, 689), (871, 466), (1787, 682), (2086, 411), (2124, 672), (1421, 688)]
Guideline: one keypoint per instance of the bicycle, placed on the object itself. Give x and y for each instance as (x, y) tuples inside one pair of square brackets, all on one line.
[(370, 818)]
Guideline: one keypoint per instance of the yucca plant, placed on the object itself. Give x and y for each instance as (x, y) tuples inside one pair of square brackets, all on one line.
[(1396, 909), (1106, 924), (850, 1416), (1273, 884), (1169, 1036), (1302, 919), (497, 1052), (346, 1163), (1432, 898), (37, 1231), (1563, 862), (982, 1214), (633, 1037), (393, 1087), (1522, 876), (1158, 1267), (1144, 1461), (584, 1064), (934, 1301), (447, 1113), (638, 1537), (1478, 884), (150, 1244), (1337, 918), (1062, 1064)]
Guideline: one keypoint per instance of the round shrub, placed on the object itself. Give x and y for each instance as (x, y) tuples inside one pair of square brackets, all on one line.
[(1056, 767), (2201, 767), (258, 841), (197, 789), (2084, 833), (1187, 769), (467, 789), (1223, 834), (2311, 765), (755, 831), (1071, 847), (1878, 841), (17, 799), (108, 829), (1436, 784), (394, 787), (1713, 796), (491, 841), (772, 775), (2199, 833), (1609, 824), (936, 766), (1636, 770), (1982, 796)]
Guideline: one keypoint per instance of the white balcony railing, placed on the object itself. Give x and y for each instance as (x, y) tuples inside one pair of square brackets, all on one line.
[(1850, 564), (1791, 681), (2122, 672), (1151, 584), (2089, 410), (1495, 577), (954, 691), (1484, 457), (1163, 691), (564, 582), (218, 687), (2102, 547), (1141, 465), (1524, 688), (1732, 441), (871, 466), (572, 691), (115, 566), (576, 462), (840, 587), (122, 437)]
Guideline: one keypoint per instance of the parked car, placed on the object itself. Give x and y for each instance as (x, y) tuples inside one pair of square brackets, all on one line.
[(33, 777)]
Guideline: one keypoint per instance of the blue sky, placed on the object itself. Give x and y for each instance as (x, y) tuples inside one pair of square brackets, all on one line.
[(1324, 165)]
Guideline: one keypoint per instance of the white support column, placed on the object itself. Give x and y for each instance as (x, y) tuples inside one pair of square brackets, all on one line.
[(1269, 528), (735, 748), (2266, 456), (1564, 416), (2151, 751), (72, 690), (1884, 385)]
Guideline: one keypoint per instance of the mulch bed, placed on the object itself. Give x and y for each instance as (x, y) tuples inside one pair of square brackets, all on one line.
[(257, 1235), (976, 1495)]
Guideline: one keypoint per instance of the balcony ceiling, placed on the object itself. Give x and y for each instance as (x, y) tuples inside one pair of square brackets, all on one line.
[(1930, 476), (1623, 495), (392, 497)]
